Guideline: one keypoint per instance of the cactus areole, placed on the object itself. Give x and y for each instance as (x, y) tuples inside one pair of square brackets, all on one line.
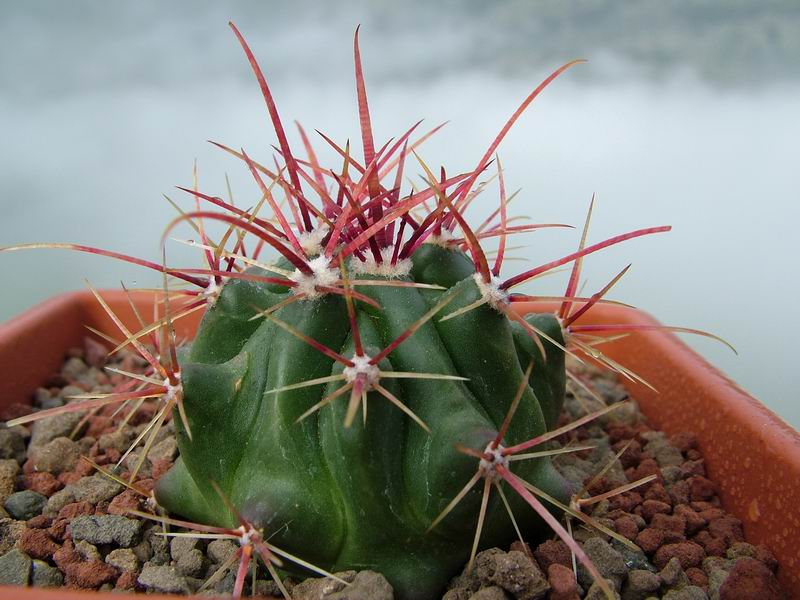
[(363, 496)]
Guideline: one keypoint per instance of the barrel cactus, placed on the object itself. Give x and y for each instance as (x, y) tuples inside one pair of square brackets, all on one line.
[(361, 494)]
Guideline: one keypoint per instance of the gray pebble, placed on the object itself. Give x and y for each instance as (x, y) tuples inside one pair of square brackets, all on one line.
[(12, 444), (87, 551), (673, 575), (159, 545), (715, 580), (8, 477), (608, 561), (59, 500), (220, 551), (25, 505), (516, 573), (634, 559), (123, 559), (96, 488), (665, 454), (74, 368), (46, 430), (118, 440), (180, 546), (166, 449), (690, 592), (163, 579), (367, 585), (711, 563), (191, 563), (10, 532), (106, 529), (68, 392), (15, 568), (490, 593), (44, 575), (596, 592), (740, 549), (143, 551), (40, 396), (640, 584), (57, 456)]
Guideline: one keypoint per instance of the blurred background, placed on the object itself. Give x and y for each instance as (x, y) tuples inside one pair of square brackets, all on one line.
[(687, 113)]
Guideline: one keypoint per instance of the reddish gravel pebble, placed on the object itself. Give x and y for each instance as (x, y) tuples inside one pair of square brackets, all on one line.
[(646, 467), (657, 491), (160, 467), (688, 553), (66, 555), (37, 543), (127, 581), (126, 501), (750, 580), (44, 483), (625, 502), (75, 509), (562, 583), (693, 521), (649, 540), (684, 441), (671, 523), (712, 545), (697, 577), (552, 552), (39, 522), (58, 530), (764, 555), (69, 478), (98, 426), (90, 575), (727, 528), (679, 493), (702, 488), (83, 468), (627, 526), (650, 508), (694, 467)]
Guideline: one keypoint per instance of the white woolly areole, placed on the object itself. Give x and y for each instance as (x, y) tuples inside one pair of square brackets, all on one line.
[(362, 366), (491, 292), (247, 536), (489, 467), (311, 241), (173, 390), (321, 276), (385, 268), (444, 239), (211, 291)]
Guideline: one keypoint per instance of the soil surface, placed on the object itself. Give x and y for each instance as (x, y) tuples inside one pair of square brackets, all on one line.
[(63, 523)]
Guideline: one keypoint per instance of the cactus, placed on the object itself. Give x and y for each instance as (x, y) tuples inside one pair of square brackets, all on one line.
[(361, 495), (337, 401)]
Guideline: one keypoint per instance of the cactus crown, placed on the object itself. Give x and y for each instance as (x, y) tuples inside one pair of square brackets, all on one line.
[(381, 306)]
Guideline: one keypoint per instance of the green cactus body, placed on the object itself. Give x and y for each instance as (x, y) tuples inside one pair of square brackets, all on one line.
[(364, 496)]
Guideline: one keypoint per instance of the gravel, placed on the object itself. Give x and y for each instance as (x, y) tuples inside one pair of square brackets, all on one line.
[(57, 456), (76, 532), (107, 529), (163, 579), (15, 568), (12, 444), (25, 505)]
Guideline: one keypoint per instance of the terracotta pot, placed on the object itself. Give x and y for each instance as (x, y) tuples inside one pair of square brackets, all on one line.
[(752, 454)]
